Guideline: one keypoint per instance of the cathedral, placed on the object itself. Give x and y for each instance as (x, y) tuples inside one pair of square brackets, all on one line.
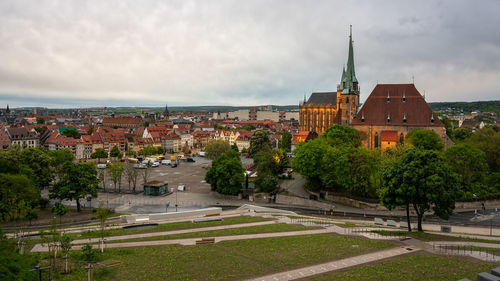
[(324, 109)]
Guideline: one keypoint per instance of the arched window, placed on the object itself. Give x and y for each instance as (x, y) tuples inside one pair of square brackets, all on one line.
[(401, 138), (376, 140)]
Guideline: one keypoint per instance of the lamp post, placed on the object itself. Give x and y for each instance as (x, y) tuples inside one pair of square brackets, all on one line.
[(39, 269)]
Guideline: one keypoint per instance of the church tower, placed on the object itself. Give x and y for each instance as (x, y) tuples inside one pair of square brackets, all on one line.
[(348, 89)]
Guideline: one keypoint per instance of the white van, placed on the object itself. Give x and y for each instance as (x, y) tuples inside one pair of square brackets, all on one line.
[(166, 162)]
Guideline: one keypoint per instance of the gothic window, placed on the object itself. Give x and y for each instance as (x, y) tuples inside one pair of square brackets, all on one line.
[(376, 140)]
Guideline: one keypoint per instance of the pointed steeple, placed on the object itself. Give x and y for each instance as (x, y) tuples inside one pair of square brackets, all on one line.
[(342, 78), (350, 74), (7, 110)]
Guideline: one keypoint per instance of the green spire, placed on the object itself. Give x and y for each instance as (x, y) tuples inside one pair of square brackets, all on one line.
[(350, 74), (342, 78)]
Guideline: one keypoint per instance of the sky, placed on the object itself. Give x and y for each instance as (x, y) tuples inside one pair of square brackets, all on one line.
[(79, 53)]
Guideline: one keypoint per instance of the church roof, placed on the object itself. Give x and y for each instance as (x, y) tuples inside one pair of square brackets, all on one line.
[(396, 104), (325, 98)]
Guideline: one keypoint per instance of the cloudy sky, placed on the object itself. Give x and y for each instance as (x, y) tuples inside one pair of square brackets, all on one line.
[(148, 53)]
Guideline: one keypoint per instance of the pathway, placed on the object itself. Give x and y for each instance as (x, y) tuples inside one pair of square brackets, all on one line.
[(336, 265)]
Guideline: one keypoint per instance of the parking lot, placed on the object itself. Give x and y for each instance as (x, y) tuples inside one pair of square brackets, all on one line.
[(189, 174)]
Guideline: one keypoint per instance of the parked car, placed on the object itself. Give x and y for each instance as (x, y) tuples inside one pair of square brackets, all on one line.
[(166, 162), (155, 164), (190, 159)]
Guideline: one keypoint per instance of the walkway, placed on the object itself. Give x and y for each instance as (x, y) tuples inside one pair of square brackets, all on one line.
[(192, 241), (336, 265)]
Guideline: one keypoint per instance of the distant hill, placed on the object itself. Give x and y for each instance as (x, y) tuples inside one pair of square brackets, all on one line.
[(467, 107)]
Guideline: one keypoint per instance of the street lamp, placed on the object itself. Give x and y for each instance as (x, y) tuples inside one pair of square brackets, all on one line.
[(39, 269)]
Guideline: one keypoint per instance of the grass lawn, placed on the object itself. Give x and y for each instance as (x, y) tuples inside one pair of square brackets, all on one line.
[(227, 260), (416, 266), (225, 232), (169, 226), (425, 236)]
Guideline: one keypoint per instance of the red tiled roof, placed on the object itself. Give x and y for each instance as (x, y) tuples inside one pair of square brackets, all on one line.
[(377, 109), (389, 136), (121, 120)]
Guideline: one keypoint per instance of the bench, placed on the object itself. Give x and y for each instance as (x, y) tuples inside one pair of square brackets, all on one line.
[(207, 219), (205, 241), (378, 221), (446, 229)]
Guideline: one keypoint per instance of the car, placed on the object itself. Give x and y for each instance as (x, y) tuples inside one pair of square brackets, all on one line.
[(166, 162), (190, 159), (174, 165), (155, 164)]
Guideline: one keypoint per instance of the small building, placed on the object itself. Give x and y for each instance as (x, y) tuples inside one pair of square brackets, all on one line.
[(155, 188)]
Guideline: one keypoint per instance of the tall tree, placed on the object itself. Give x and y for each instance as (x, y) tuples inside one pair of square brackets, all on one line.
[(102, 215), (365, 173), (421, 179), (425, 139), (488, 140), (72, 133), (226, 174), (59, 210), (286, 141), (17, 197), (308, 160), (98, 154), (115, 152), (131, 175), (338, 135), (40, 163), (335, 167), (116, 172), (470, 165), (14, 266), (216, 148), (259, 141), (59, 157), (145, 173), (78, 181)]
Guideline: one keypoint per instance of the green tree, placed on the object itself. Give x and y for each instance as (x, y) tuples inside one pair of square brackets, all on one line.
[(78, 181), (14, 266), (102, 215), (148, 150), (59, 157), (131, 153), (31, 214), (89, 254), (425, 139), (235, 147), (338, 135), (59, 210), (115, 152), (226, 174), (160, 150), (421, 179), (308, 160), (216, 148), (72, 133), (98, 154), (270, 163), (447, 126), (116, 172), (487, 139), (65, 243), (259, 141), (39, 162), (365, 173), (40, 121), (461, 134), (286, 141), (17, 197), (335, 167), (470, 165)]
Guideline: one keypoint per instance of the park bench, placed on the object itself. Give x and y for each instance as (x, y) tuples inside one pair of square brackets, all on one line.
[(205, 241)]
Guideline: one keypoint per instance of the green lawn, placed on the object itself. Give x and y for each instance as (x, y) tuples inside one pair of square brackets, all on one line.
[(224, 232), (417, 266), (227, 260), (169, 226)]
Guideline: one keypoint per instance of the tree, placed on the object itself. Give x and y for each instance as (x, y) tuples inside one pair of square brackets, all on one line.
[(470, 165), (226, 174), (335, 167), (59, 210), (259, 141), (72, 133), (59, 157), (365, 173), (14, 266), (131, 175), (269, 165), (17, 197), (286, 141), (102, 215), (78, 181), (31, 214), (488, 140), (39, 162), (160, 150), (131, 153), (88, 253), (341, 135), (115, 152), (308, 160), (101, 175), (216, 148), (423, 180), (148, 150), (425, 139), (98, 154), (145, 173), (235, 147), (40, 121), (116, 172), (66, 245), (461, 134)]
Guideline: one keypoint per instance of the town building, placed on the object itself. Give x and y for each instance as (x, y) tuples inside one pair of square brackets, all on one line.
[(391, 112), (324, 109)]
